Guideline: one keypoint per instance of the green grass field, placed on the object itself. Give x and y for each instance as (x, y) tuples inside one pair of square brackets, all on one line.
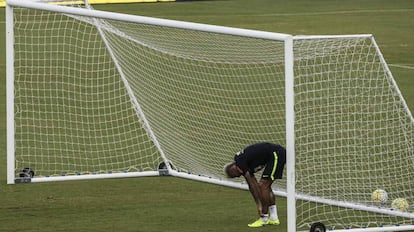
[(172, 204)]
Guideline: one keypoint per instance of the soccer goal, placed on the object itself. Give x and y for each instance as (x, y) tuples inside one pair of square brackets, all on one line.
[(94, 94)]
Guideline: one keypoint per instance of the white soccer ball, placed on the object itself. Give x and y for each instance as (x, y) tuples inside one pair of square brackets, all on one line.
[(379, 196), (400, 204)]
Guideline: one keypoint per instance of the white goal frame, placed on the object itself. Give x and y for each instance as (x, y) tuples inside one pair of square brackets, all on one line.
[(289, 104), (144, 20)]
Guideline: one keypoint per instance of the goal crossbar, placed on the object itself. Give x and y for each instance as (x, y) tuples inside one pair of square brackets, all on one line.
[(149, 20)]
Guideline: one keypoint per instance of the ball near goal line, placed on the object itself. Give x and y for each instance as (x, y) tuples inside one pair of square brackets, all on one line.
[(379, 196), (400, 204)]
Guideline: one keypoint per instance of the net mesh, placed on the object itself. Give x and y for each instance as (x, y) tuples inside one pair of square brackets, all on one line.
[(201, 96), (353, 133)]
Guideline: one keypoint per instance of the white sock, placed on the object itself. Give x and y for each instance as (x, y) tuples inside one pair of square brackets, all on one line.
[(273, 212), (264, 217)]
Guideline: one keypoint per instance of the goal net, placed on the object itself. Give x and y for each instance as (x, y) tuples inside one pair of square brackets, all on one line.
[(93, 94), (354, 134)]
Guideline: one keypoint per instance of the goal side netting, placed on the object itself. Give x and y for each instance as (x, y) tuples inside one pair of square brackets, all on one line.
[(93, 94), (354, 134)]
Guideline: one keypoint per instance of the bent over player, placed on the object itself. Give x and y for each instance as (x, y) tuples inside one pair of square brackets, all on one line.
[(271, 157)]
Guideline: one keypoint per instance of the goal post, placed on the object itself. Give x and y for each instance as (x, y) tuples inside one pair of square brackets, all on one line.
[(94, 94), (10, 95)]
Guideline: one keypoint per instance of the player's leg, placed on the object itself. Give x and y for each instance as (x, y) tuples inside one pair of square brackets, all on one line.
[(267, 179), (264, 187), (273, 216), (265, 191), (275, 171)]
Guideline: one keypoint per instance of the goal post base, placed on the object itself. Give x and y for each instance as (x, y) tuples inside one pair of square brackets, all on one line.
[(23, 180), (163, 169), (318, 227), (378, 229), (94, 176)]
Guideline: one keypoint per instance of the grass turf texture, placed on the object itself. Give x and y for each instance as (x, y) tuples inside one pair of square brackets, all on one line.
[(143, 204), (172, 204)]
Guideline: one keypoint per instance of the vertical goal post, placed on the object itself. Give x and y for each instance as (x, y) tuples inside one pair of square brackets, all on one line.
[(128, 93), (10, 95)]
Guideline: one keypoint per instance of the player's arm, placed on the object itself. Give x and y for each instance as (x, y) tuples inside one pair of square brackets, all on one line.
[(254, 190)]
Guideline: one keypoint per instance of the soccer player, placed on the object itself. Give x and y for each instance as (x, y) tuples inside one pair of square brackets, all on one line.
[(271, 157)]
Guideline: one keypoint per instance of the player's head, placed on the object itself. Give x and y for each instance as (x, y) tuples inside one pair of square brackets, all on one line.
[(231, 170)]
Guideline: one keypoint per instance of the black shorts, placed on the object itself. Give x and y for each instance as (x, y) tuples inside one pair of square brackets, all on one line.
[(274, 167), (271, 157)]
